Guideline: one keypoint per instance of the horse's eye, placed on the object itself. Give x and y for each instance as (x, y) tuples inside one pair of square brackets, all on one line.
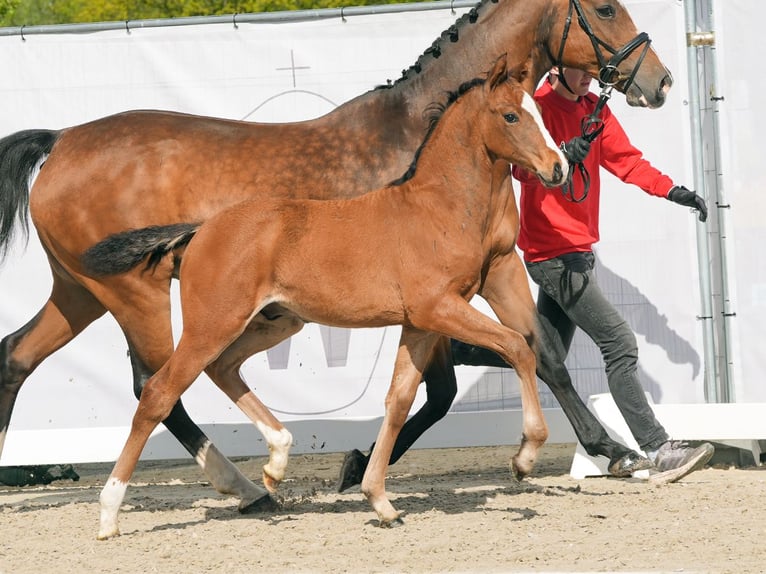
[(605, 11), (511, 118)]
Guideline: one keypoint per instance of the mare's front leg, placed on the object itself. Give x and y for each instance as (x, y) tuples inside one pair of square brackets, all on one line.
[(441, 388), (415, 348), (506, 289), (261, 334)]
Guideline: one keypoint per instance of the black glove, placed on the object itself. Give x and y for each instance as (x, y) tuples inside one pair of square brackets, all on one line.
[(682, 196), (576, 149)]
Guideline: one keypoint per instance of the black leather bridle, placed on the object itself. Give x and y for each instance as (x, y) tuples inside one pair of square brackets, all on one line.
[(608, 77)]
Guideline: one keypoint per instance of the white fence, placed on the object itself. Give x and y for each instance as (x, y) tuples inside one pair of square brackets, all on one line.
[(76, 406)]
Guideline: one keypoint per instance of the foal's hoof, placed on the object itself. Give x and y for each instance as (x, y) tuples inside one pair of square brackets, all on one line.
[(352, 470), (263, 504), (519, 471), (107, 534), (629, 463), (395, 523), (270, 482)]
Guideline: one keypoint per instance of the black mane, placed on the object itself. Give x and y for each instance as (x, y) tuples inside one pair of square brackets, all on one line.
[(434, 113), (451, 34)]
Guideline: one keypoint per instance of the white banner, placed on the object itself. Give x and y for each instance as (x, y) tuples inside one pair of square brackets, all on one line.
[(740, 45), (293, 71)]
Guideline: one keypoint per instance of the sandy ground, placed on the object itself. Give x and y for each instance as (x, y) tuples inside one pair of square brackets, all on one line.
[(463, 513)]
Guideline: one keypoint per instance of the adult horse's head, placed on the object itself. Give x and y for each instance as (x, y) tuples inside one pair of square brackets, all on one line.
[(513, 129), (602, 33)]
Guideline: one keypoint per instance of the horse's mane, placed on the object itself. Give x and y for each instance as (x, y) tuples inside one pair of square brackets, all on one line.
[(435, 50), (433, 113)]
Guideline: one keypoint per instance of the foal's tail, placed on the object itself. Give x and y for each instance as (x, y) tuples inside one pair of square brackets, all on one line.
[(123, 251), (20, 154)]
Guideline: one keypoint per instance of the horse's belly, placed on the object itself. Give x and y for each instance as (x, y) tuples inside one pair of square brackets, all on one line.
[(349, 310)]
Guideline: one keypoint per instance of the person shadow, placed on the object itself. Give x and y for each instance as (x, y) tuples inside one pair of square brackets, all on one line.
[(584, 361)]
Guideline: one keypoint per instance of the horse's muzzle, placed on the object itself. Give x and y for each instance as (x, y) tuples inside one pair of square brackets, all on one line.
[(557, 176)]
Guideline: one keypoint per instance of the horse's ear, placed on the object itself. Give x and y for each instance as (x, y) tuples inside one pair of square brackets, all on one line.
[(521, 73), (524, 71), (499, 72)]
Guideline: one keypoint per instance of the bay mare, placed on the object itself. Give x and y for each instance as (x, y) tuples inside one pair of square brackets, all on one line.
[(164, 168), (431, 238)]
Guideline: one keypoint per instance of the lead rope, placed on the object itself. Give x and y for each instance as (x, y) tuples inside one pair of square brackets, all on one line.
[(590, 126)]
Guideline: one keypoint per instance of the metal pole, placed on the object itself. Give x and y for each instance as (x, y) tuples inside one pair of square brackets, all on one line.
[(725, 379), (236, 19), (703, 251)]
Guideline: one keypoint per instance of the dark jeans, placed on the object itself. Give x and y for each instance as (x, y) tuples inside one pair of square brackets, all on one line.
[(569, 297)]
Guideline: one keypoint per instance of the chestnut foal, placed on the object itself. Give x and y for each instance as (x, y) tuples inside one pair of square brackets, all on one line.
[(411, 254)]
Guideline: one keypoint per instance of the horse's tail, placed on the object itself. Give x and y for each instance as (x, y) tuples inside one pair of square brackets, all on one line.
[(20, 154), (123, 251)]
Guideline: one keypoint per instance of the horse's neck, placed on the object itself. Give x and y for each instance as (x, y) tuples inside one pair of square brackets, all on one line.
[(508, 27), (455, 167), (392, 119)]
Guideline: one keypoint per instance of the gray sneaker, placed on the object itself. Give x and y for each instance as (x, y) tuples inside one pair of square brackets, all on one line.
[(675, 460)]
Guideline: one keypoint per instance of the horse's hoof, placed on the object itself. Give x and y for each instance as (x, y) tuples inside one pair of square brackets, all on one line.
[(517, 472), (270, 482), (629, 463), (352, 470), (107, 534), (395, 523), (263, 504)]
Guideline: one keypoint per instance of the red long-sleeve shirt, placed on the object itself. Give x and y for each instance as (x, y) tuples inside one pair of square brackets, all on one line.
[(551, 225)]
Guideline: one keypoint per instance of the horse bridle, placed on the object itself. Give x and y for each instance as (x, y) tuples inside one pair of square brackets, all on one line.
[(608, 77)]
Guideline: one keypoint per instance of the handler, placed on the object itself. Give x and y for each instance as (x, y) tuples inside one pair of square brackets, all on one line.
[(558, 231)]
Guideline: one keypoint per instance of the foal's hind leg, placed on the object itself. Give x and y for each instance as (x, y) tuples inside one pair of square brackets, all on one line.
[(159, 395), (260, 334), (205, 337), (147, 328), (415, 348), (69, 309)]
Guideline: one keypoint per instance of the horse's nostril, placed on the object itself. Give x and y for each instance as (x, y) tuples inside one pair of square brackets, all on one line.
[(557, 173)]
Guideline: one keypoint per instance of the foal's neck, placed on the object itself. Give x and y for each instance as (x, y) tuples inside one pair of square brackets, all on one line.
[(454, 163)]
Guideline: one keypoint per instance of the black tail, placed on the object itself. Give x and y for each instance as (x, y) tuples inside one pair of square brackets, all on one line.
[(123, 251), (20, 153)]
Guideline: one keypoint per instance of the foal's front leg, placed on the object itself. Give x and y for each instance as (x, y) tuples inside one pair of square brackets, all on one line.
[(457, 319), (415, 348)]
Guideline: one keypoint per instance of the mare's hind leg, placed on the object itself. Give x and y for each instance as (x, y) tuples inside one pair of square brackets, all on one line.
[(69, 309), (415, 348), (147, 328), (260, 334), (506, 289)]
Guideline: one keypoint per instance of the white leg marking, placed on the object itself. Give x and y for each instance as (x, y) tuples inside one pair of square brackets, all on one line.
[(279, 442), (111, 498)]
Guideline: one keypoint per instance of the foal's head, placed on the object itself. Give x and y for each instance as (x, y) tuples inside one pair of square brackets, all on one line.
[(513, 130)]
